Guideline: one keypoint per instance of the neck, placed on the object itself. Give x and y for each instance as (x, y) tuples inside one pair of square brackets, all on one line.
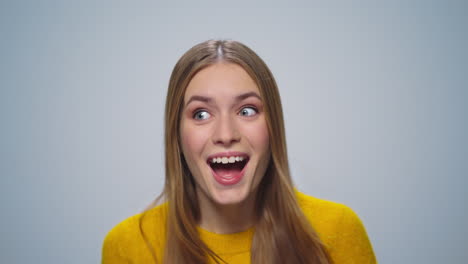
[(227, 219)]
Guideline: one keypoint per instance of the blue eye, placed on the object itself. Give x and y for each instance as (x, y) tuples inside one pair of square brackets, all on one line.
[(248, 111), (201, 115)]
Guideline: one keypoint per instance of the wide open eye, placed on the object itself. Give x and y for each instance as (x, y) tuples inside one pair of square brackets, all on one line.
[(248, 111), (201, 115)]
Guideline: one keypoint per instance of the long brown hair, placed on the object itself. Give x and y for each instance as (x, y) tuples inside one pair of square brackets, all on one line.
[(282, 232)]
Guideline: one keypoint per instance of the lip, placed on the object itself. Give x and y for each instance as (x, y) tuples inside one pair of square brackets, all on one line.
[(235, 178)]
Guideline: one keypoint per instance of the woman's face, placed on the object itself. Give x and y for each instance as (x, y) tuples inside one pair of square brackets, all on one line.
[(224, 134)]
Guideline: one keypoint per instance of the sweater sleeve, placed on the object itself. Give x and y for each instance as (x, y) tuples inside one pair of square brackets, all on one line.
[(352, 245), (126, 242), (112, 250)]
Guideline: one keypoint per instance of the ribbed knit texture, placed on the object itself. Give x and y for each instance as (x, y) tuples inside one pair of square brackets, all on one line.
[(338, 226)]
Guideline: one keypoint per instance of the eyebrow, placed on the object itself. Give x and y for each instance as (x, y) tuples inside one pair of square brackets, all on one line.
[(247, 95), (199, 98), (206, 99)]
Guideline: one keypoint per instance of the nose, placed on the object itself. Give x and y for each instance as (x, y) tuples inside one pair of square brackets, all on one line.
[(226, 131)]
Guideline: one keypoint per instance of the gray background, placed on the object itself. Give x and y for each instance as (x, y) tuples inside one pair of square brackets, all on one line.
[(374, 99)]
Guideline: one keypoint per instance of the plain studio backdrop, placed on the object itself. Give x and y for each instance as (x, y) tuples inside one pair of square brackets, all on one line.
[(374, 96)]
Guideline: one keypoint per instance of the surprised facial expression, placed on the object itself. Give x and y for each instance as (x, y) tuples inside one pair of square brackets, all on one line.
[(224, 135)]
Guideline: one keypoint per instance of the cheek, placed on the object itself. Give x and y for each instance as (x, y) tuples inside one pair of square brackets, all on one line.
[(258, 136), (259, 140), (192, 141)]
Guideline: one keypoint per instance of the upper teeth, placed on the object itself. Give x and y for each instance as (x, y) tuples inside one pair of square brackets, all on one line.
[(226, 160)]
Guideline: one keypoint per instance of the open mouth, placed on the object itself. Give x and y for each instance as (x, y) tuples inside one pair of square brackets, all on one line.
[(229, 165), (228, 170)]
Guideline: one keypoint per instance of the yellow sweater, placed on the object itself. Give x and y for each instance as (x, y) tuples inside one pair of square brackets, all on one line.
[(337, 225)]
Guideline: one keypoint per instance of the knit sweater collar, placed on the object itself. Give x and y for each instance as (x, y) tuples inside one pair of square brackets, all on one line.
[(227, 243)]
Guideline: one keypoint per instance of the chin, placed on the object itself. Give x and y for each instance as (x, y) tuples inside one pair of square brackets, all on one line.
[(232, 196)]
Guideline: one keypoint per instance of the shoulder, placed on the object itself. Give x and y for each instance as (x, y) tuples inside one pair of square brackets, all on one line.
[(319, 210), (127, 239), (328, 217), (339, 228), (307, 202)]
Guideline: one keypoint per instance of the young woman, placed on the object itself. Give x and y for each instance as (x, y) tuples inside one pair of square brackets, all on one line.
[(228, 195)]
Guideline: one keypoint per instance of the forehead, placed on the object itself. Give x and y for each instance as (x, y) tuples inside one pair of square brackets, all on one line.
[(221, 80)]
